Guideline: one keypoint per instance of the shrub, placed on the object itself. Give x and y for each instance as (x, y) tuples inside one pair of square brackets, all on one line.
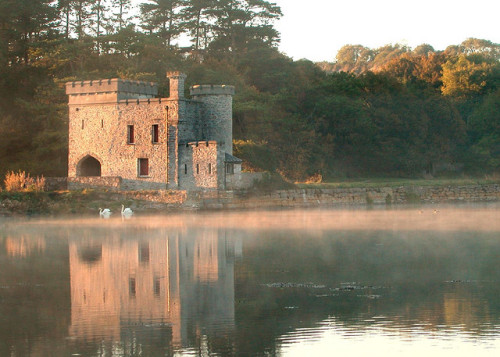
[(22, 182)]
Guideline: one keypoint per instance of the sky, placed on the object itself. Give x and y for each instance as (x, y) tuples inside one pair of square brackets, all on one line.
[(317, 29)]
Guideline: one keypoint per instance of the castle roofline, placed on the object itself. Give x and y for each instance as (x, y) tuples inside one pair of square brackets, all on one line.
[(112, 85), (211, 89), (109, 90)]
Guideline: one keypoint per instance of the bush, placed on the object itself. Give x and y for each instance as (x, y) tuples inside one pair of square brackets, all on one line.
[(22, 182)]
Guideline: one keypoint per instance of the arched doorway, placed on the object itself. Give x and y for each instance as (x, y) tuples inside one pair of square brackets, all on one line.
[(88, 166)]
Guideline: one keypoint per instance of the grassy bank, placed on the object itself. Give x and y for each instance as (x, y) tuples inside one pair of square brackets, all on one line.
[(398, 182)]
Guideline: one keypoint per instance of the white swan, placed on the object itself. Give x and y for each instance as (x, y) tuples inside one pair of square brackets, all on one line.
[(104, 213), (126, 212)]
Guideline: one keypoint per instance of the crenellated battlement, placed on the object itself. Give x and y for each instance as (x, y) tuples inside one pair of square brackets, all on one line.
[(210, 89), (109, 91), (202, 143)]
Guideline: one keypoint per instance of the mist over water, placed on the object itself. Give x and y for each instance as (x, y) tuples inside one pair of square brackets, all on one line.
[(408, 281)]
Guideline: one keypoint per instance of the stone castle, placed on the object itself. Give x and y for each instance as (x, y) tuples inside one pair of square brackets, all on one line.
[(120, 128)]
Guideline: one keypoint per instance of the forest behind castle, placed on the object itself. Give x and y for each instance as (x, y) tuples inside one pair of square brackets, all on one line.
[(370, 112)]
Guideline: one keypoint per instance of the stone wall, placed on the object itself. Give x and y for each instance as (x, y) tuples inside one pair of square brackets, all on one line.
[(199, 165), (217, 122), (108, 183), (100, 131), (56, 183), (242, 180), (347, 196)]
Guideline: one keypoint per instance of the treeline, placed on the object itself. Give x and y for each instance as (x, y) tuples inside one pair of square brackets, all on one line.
[(382, 112)]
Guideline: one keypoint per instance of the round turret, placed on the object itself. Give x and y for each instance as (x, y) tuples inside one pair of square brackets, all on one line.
[(218, 113)]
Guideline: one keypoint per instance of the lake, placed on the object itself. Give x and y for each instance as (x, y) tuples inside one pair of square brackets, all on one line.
[(406, 281)]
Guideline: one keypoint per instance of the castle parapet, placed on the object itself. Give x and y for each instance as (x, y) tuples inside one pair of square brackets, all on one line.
[(202, 143), (199, 90), (109, 91)]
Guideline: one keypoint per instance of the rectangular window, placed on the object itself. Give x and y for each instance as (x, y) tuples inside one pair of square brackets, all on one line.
[(131, 287), (83, 124), (143, 167), (155, 134), (157, 286), (130, 134), (229, 169), (144, 252), (209, 168), (185, 169), (197, 168)]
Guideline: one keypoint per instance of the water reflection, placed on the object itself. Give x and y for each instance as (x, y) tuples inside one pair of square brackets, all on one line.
[(141, 287), (131, 283)]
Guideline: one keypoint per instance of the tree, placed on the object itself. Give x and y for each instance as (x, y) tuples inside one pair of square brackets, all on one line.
[(239, 22), (464, 76), (83, 15), (477, 46), (354, 58), (162, 18), (120, 16), (196, 16), (423, 50), (23, 24)]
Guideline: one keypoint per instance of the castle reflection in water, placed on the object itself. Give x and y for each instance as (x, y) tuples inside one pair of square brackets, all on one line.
[(153, 281), (159, 280)]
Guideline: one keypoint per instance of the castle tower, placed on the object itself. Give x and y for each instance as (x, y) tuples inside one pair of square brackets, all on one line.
[(176, 81), (217, 122)]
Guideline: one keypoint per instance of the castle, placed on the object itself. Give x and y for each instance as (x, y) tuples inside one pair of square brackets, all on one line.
[(120, 128)]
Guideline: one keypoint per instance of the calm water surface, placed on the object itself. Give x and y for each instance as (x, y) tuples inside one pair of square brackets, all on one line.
[(378, 282)]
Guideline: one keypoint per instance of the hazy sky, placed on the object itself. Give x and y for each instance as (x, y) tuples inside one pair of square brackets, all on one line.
[(317, 29)]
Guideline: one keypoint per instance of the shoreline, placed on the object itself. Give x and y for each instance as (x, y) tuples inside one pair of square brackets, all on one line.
[(89, 201)]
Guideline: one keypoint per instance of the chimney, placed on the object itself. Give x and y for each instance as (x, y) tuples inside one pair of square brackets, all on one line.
[(176, 80)]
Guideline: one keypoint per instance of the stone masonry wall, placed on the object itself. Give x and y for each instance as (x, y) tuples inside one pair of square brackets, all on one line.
[(199, 167), (100, 131), (108, 183), (217, 122), (347, 196)]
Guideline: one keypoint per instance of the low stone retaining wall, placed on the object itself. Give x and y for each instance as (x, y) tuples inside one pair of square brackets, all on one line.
[(287, 198), (347, 196), (109, 183)]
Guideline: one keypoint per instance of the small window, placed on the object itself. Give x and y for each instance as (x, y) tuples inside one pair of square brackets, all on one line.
[(144, 253), (83, 124), (154, 134), (143, 167), (102, 123), (130, 134), (185, 169), (209, 168), (131, 287), (157, 286), (229, 169), (197, 168)]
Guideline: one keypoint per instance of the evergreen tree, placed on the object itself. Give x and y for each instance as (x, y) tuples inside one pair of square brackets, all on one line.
[(161, 17)]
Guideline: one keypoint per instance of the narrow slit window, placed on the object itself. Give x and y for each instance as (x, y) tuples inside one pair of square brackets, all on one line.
[(155, 134), (143, 167), (102, 123), (83, 124), (130, 134), (157, 286), (209, 168), (197, 168), (185, 169)]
